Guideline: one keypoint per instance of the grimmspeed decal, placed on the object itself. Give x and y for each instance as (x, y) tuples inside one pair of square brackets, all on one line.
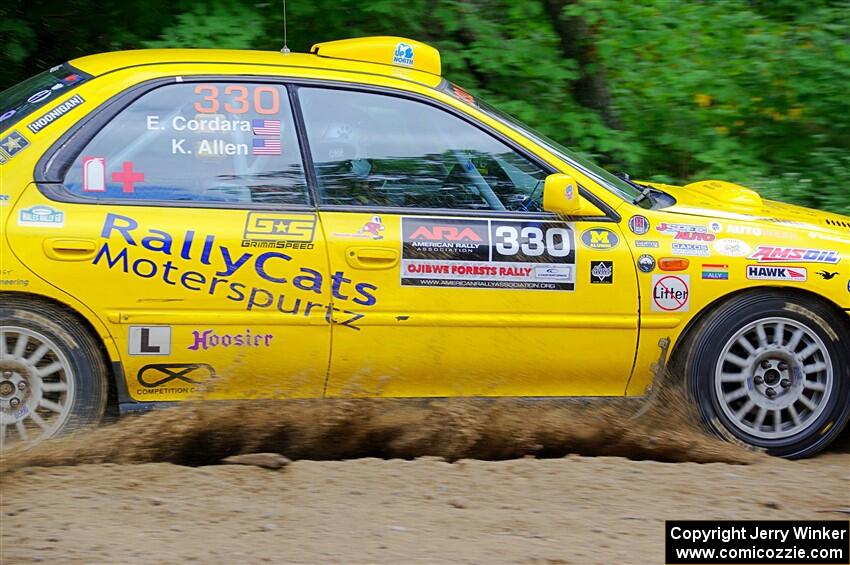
[(495, 253)]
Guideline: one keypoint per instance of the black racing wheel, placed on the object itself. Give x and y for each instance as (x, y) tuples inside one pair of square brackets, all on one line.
[(771, 370), (53, 378)]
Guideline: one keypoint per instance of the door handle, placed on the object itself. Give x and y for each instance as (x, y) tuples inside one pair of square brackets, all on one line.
[(371, 257), (65, 249)]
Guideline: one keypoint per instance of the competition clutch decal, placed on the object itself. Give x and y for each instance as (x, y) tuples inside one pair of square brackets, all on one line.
[(495, 253)]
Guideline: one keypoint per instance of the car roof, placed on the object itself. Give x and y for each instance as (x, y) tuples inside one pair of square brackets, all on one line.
[(104, 63)]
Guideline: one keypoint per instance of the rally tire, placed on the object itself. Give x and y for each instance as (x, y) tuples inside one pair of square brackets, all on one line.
[(53, 378), (772, 371)]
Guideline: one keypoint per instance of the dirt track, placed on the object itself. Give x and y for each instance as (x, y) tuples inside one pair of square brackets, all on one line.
[(573, 509)]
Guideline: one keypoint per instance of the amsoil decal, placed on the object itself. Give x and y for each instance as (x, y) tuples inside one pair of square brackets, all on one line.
[(776, 273), (452, 252), (38, 124), (671, 293), (769, 253)]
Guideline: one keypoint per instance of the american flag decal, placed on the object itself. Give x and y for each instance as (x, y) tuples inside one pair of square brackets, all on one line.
[(266, 127), (266, 147)]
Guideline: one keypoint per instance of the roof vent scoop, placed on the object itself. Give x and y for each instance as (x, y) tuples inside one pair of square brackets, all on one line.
[(727, 192), (385, 50)]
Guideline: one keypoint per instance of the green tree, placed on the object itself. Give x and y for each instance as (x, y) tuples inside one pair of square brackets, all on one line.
[(752, 91)]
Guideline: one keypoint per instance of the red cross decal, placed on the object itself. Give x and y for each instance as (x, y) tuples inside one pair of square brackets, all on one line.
[(128, 178)]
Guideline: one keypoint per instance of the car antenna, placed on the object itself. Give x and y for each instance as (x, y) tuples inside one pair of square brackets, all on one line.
[(285, 49)]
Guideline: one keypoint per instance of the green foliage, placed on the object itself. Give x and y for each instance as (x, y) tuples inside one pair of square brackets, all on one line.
[(221, 25), (752, 91), (734, 90)]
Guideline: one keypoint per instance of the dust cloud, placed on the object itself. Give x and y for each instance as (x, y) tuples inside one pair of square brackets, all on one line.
[(661, 428)]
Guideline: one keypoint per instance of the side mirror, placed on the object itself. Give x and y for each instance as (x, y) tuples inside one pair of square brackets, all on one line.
[(561, 196)]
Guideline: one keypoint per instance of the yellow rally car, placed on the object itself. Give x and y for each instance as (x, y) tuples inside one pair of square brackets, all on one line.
[(185, 223)]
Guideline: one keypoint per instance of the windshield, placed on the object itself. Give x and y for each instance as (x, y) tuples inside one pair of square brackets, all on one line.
[(613, 183), (24, 98)]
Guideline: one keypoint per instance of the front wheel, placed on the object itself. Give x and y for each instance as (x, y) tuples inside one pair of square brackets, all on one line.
[(52, 375), (771, 371)]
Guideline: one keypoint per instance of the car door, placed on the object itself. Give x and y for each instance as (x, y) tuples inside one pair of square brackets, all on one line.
[(180, 214), (474, 290)]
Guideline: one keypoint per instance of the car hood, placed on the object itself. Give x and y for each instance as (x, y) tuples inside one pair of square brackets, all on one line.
[(721, 199)]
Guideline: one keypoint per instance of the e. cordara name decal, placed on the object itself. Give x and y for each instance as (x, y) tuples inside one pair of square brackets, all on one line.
[(769, 253), (269, 266), (38, 124), (511, 254)]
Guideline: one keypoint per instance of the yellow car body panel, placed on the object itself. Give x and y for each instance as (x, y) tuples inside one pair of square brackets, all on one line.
[(391, 339), (477, 341)]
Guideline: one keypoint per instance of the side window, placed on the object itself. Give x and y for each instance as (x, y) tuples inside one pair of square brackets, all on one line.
[(379, 150), (197, 142)]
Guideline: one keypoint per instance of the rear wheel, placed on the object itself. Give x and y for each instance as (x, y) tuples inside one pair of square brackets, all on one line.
[(52, 375), (771, 371)]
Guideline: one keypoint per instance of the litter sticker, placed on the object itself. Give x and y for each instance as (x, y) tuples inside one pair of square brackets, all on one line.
[(671, 293)]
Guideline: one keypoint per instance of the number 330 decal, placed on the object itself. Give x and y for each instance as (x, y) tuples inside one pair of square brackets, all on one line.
[(531, 240), (237, 99)]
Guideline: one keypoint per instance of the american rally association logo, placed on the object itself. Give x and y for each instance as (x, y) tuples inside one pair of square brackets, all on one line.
[(403, 54), (41, 216)]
